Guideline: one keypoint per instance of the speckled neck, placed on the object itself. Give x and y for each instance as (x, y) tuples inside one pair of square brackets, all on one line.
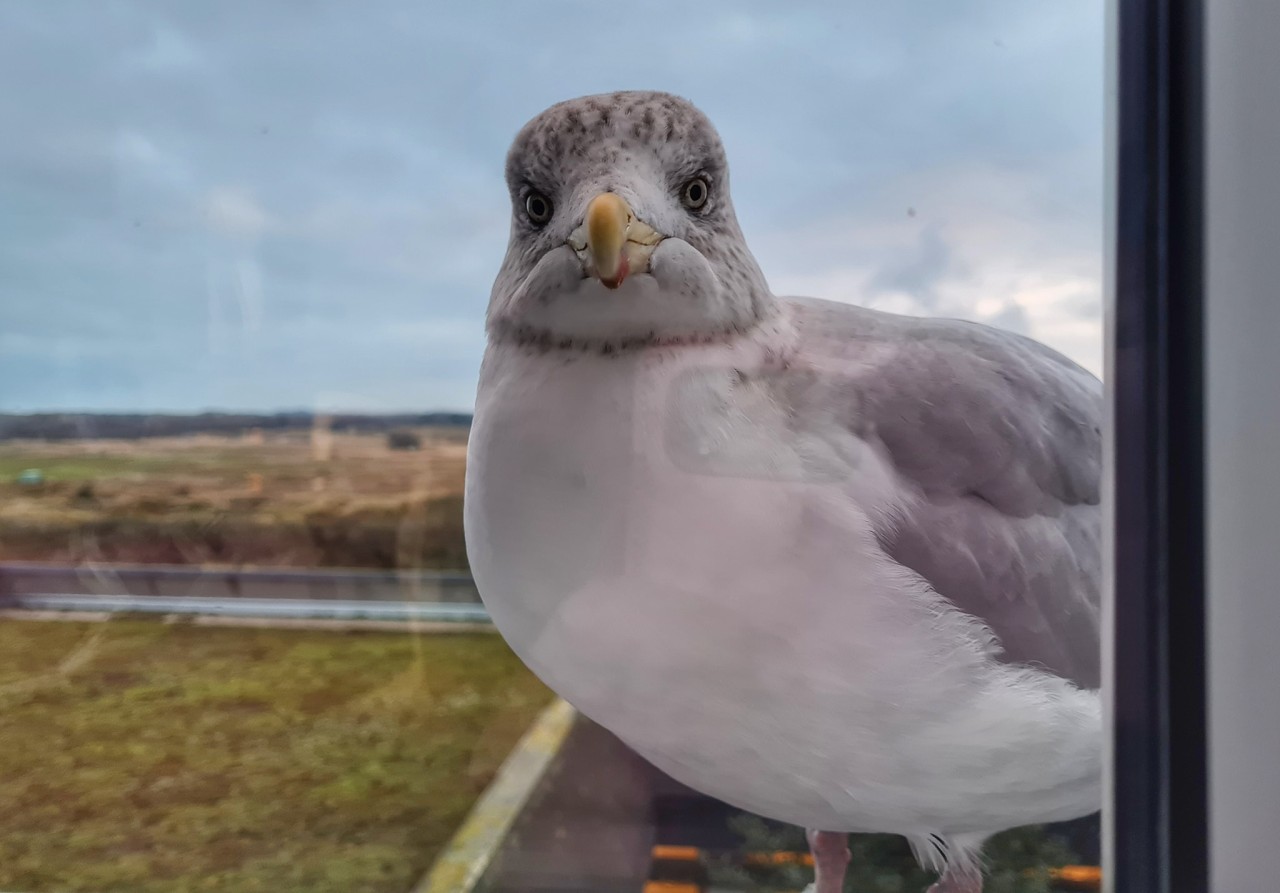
[(768, 321)]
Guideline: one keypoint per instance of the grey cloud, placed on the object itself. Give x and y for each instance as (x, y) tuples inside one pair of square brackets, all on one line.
[(1012, 317), (1082, 306), (918, 273), (303, 180)]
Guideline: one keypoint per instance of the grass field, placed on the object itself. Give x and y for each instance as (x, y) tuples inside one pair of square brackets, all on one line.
[(138, 756), (288, 499)]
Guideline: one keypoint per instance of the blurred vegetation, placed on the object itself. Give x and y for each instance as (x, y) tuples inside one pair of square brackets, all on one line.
[(404, 440), (1018, 861), (136, 426), (143, 757), (297, 499)]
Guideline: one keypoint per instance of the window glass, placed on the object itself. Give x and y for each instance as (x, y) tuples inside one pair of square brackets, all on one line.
[(246, 256)]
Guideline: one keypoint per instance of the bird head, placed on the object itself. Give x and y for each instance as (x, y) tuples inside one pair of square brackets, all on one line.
[(623, 231)]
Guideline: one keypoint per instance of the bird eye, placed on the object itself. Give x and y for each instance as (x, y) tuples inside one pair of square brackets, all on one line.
[(695, 193), (538, 207)]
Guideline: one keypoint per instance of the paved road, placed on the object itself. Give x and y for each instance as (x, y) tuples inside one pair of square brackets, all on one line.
[(588, 828)]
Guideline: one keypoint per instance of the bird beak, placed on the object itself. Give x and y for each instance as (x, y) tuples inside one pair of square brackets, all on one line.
[(607, 219), (611, 242)]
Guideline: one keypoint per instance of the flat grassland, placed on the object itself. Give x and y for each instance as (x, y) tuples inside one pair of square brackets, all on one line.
[(140, 756), (287, 499)]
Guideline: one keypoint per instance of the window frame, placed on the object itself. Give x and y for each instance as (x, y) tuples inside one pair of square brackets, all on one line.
[(1156, 827)]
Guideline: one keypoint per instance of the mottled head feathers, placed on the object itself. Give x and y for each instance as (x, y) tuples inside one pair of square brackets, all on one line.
[(645, 147)]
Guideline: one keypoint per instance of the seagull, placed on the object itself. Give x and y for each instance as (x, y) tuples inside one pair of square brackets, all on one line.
[(834, 566)]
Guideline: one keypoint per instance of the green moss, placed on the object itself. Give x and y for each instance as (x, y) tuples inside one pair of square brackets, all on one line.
[(144, 757)]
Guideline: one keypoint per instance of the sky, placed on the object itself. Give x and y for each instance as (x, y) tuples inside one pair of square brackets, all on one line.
[(251, 205)]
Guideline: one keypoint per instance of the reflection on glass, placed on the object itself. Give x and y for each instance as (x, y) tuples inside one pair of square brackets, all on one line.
[(247, 255)]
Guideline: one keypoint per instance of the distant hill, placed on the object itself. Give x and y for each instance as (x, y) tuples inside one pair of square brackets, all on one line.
[(129, 426)]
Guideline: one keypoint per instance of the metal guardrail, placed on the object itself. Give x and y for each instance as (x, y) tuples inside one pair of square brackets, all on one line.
[(26, 578), (262, 593), (291, 608)]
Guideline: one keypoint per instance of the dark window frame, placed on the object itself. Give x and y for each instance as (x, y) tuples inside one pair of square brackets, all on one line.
[(1159, 789)]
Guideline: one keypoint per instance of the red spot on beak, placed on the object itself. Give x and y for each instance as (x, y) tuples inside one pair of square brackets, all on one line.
[(622, 274)]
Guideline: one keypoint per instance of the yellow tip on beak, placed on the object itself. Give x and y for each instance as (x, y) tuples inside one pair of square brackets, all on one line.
[(608, 216)]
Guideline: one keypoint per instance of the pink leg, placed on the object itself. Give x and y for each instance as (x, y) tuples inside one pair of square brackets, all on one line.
[(830, 859)]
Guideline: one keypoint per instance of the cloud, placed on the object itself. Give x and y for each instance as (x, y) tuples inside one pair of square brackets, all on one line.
[(166, 52), (918, 273), (244, 205), (965, 240), (236, 212)]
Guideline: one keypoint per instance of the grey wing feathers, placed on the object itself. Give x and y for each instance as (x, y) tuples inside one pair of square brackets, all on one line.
[(1000, 438)]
